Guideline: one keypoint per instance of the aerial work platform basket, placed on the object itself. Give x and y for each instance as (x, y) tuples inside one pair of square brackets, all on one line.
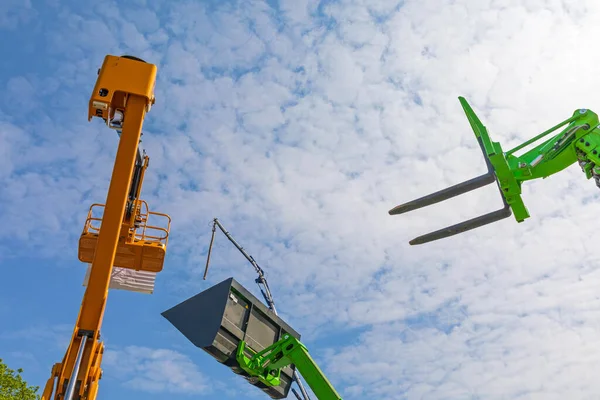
[(217, 319), (141, 247)]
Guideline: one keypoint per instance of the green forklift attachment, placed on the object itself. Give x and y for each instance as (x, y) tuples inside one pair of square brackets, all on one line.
[(578, 142), (218, 319)]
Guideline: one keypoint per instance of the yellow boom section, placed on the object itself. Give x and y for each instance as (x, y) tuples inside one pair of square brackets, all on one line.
[(124, 92)]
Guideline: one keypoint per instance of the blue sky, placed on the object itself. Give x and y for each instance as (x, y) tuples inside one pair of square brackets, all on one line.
[(299, 124)]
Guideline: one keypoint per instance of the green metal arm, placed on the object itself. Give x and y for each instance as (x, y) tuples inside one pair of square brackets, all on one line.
[(578, 141), (266, 365)]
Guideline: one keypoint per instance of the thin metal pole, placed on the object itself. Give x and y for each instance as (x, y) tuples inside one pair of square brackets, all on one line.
[(261, 280), (212, 239), (300, 385), (261, 277), (73, 379)]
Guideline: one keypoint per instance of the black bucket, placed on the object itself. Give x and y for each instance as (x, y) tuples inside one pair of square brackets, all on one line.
[(219, 317)]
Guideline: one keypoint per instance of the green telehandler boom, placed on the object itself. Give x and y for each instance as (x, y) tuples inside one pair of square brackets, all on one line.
[(578, 141)]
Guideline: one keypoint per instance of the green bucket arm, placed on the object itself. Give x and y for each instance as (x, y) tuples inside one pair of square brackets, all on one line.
[(266, 365), (578, 141)]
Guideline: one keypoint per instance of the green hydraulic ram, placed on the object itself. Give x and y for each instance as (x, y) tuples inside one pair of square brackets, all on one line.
[(266, 365), (578, 141)]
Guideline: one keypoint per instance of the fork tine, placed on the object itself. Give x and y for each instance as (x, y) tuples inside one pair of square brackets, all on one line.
[(461, 227), (444, 194)]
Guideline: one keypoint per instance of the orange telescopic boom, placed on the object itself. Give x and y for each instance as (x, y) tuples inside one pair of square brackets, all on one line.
[(121, 237)]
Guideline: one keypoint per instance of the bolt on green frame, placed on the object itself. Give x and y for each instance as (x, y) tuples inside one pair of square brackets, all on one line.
[(578, 141)]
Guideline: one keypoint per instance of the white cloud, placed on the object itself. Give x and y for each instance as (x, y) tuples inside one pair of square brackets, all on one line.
[(498, 357), (155, 370), (14, 12)]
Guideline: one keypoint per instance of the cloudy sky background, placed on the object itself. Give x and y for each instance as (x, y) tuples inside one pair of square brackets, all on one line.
[(299, 124)]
